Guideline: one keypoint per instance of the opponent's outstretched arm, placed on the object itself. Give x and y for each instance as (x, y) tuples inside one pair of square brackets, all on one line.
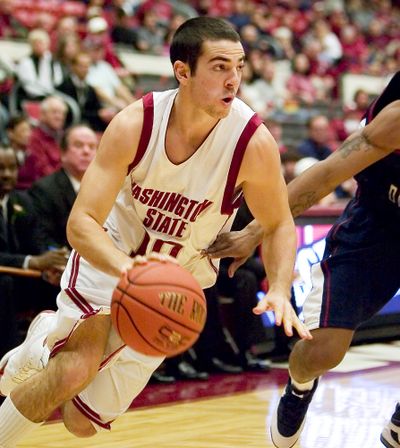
[(366, 146)]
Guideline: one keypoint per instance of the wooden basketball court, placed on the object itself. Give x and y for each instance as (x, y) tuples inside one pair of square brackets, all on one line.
[(348, 411)]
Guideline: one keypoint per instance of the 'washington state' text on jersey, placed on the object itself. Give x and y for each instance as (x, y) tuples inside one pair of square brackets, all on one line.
[(179, 209)]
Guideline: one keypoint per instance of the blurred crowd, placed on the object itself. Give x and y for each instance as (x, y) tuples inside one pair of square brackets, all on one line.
[(56, 101)]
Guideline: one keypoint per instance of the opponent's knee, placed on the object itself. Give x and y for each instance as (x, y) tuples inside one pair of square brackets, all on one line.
[(76, 423)]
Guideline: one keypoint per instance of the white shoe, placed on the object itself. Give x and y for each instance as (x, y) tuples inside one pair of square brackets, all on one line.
[(30, 357), (390, 436)]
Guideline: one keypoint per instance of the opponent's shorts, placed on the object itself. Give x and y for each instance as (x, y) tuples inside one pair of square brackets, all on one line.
[(350, 285), (123, 372)]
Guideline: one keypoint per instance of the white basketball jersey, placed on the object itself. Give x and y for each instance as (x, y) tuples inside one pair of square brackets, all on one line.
[(163, 207), (180, 209)]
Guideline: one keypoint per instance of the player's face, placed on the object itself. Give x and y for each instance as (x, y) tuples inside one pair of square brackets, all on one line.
[(217, 78)]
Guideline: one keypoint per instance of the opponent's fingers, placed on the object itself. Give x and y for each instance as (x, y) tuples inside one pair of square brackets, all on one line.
[(235, 265), (222, 242)]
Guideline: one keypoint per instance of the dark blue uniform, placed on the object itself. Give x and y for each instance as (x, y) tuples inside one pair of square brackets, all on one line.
[(360, 270)]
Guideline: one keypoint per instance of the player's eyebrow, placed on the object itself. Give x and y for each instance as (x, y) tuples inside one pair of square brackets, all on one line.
[(224, 59)]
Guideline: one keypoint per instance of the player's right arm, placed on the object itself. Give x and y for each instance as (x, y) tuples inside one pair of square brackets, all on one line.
[(363, 148), (99, 189)]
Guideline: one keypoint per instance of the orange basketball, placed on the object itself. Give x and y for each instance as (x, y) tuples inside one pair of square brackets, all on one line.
[(158, 309)]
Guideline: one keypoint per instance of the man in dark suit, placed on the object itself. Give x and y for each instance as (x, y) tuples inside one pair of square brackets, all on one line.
[(21, 246), (76, 86), (54, 195)]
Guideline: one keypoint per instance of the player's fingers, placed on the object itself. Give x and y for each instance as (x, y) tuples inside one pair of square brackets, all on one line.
[(262, 306), (287, 325), (163, 258), (302, 330), (139, 259)]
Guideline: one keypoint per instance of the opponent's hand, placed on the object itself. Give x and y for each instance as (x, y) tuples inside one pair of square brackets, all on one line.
[(239, 245), (284, 314)]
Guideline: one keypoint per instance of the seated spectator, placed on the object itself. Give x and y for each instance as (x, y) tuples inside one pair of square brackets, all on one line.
[(54, 195), (122, 31), (10, 26), (317, 142), (299, 85), (269, 96), (39, 73), (76, 86), (104, 79), (289, 160), (21, 246), (19, 132), (98, 31), (275, 128), (7, 75), (331, 46), (67, 47), (352, 115), (150, 35), (43, 155)]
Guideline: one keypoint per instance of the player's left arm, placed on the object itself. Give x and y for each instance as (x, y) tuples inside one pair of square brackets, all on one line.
[(266, 195)]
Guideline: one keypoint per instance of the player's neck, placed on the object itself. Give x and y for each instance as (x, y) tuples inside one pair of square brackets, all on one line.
[(191, 124)]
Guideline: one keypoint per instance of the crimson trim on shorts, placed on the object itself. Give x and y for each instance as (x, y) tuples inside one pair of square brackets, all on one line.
[(148, 118), (71, 291), (90, 413), (110, 357), (228, 201), (327, 292)]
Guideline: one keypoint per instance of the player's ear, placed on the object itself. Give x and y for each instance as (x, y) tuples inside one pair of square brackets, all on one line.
[(181, 71)]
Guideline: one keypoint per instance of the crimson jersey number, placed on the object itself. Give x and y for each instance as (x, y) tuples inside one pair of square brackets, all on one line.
[(158, 244)]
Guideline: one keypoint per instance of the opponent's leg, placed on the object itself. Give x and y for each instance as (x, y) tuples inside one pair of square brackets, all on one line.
[(390, 436), (308, 361)]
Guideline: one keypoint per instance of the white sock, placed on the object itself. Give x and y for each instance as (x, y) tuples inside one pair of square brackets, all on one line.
[(302, 386), (13, 425)]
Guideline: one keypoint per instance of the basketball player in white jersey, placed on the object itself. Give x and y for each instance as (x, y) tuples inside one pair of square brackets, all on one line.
[(167, 178)]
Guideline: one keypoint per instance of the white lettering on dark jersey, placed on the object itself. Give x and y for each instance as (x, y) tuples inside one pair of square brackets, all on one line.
[(394, 194)]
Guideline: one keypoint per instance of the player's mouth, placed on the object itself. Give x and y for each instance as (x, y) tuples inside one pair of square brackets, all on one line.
[(228, 100)]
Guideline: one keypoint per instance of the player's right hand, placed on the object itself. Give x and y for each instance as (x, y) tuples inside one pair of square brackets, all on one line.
[(285, 315)]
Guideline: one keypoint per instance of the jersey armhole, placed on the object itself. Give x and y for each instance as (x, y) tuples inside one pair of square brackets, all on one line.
[(232, 199), (148, 118)]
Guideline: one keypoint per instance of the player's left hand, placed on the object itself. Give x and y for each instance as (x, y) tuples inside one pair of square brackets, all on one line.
[(153, 256), (284, 314)]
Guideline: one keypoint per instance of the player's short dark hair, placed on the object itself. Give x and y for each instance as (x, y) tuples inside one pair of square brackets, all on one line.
[(188, 39)]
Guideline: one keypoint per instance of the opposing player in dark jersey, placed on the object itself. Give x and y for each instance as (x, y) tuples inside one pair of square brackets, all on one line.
[(360, 270)]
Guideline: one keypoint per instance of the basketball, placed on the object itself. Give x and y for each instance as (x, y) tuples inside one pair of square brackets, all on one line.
[(158, 309)]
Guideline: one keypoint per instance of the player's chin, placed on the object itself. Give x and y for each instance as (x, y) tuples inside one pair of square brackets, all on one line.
[(224, 111)]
